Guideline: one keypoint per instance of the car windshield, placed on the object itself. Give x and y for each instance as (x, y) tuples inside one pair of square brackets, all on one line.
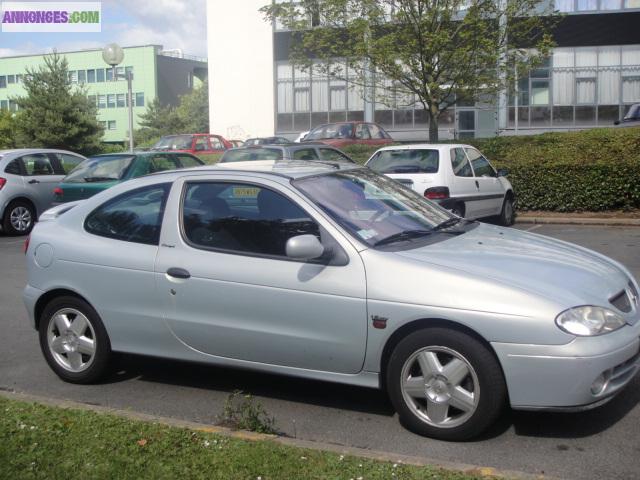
[(376, 209), (332, 130), (100, 169), (249, 154), (634, 112), (405, 161), (174, 142)]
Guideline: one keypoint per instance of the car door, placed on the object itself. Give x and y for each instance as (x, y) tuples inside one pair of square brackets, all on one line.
[(40, 179), (217, 145), (490, 190), (463, 187), (229, 290), (201, 145), (376, 135)]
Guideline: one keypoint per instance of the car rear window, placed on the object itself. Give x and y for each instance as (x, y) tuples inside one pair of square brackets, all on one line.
[(406, 161), (100, 169), (175, 142), (250, 154), (332, 130)]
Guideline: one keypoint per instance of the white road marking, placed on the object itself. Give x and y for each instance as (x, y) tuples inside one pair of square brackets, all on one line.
[(535, 227)]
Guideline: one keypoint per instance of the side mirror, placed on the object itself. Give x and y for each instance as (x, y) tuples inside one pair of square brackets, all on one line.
[(304, 247), (503, 172), (616, 122)]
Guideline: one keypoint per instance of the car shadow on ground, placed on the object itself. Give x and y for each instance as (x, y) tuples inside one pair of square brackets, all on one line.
[(364, 400)]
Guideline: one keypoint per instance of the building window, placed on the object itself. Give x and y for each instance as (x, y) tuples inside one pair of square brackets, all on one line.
[(120, 101), (82, 76), (92, 99), (91, 76), (13, 106), (111, 101), (102, 101), (11, 79), (100, 74), (103, 124), (128, 70), (109, 74), (3, 81), (18, 78), (631, 89), (140, 99), (119, 72), (111, 125), (4, 105), (73, 76)]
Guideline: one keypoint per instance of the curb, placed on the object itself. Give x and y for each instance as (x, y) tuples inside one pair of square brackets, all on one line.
[(469, 469), (626, 222)]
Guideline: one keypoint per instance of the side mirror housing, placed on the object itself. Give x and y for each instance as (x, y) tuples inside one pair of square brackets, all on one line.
[(503, 172), (304, 247)]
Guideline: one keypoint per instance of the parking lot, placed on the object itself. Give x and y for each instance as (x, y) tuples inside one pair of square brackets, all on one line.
[(603, 443)]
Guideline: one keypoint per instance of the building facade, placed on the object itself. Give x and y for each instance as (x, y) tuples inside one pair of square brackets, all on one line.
[(591, 79), (156, 74)]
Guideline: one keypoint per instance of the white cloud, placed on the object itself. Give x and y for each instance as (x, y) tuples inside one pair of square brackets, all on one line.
[(171, 23)]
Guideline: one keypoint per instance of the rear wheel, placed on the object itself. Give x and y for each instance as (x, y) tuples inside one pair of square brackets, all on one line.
[(74, 341), (445, 384), (458, 210), (19, 217)]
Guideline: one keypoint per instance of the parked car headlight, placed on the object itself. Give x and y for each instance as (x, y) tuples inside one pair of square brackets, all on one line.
[(589, 321)]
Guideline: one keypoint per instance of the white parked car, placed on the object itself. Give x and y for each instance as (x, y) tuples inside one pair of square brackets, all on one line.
[(458, 177)]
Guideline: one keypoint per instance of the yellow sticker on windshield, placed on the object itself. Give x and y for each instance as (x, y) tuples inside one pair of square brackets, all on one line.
[(245, 192)]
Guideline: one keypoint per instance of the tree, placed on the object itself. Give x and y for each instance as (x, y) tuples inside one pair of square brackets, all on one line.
[(190, 116), (53, 114), (7, 129), (440, 51)]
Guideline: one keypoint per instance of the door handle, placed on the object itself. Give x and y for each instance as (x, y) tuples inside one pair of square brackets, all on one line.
[(477, 184), (34, 181), (178, 273)]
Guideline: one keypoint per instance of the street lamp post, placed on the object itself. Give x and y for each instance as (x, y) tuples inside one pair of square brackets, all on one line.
[(113, 55)]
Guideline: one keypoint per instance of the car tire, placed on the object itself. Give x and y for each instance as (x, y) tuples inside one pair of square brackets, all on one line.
[(19, 218), (74, 341), (445, 384), (507, 214), (458, 210)]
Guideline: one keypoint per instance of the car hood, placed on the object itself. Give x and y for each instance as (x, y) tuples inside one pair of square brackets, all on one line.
[(562, 272)]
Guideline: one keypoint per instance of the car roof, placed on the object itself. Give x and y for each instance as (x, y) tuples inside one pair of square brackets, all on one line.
[(291, 145), (292, 169), (24, 151), (425, 146)]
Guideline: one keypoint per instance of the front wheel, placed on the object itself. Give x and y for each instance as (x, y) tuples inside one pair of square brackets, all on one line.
[(445, 384), (507, 214), (74, 341)]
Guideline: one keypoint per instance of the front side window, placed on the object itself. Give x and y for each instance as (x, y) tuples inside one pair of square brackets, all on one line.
[(481, 166), (68, 162), (362, 132), (334, 155), (242, 218), (37, 164), (251, 154), (305, 154), (406, 161), (135, 216), (201, 144), (373, 208), (460, 163)]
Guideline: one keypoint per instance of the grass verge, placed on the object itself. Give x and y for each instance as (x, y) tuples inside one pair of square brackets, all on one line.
[(50, 442)]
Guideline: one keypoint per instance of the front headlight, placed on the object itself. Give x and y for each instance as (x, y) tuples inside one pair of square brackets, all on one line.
[(588, 321)]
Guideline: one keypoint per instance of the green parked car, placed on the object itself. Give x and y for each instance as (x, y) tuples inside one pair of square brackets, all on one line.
[(100, 172)]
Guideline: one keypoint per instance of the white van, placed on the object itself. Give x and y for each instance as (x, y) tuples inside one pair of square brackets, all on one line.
[(458, 177)]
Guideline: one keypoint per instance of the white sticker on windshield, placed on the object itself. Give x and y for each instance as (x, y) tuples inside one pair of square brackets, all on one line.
[(367, 234)]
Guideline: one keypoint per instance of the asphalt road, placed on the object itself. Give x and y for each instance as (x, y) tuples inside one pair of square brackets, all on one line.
[(601, 444)]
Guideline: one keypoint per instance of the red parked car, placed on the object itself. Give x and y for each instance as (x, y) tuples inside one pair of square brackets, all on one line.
[(193, 143), (349, 133)]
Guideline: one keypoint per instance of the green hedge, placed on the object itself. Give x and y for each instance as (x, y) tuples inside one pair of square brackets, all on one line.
[(591, 170)]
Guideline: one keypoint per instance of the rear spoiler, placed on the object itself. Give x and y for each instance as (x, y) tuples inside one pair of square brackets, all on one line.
[(58, 210)]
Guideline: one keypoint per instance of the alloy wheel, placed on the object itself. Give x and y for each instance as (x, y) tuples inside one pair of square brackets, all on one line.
[(20, 218), (71, 340)]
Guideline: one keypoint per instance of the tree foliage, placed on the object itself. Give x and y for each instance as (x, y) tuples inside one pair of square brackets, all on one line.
[(7, 129), (190, 116), (54, 114), (440, 51)]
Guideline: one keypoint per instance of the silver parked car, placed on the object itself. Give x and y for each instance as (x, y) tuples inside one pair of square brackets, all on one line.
[(337, 273), (27, 180)]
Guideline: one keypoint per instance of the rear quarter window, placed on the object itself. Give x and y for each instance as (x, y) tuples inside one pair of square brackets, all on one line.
[(13, 167)]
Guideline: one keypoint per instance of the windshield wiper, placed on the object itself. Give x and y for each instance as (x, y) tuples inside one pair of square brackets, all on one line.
[(450, 223), (99, 179), (404, 235)]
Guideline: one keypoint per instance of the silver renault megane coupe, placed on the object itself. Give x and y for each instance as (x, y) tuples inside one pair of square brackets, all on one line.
[(333, 272)]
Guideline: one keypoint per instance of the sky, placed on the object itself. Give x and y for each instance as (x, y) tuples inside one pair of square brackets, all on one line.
[(170, 23)]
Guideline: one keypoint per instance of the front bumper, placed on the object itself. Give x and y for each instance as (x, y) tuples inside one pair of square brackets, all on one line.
[(561, 377)]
